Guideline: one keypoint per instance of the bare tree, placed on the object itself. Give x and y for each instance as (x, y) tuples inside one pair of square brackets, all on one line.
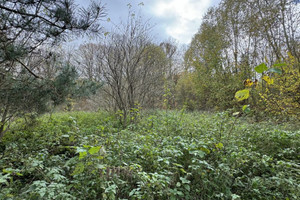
[(174, 67), (132, 67), (87, 61)]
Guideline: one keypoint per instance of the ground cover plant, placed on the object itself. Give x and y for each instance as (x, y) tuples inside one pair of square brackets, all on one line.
[(242, 65), (164, 155)]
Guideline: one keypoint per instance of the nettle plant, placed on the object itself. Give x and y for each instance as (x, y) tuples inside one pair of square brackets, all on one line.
[(267, 79)]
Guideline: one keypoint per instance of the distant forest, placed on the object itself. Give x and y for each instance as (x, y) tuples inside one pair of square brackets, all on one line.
[(126, 70)]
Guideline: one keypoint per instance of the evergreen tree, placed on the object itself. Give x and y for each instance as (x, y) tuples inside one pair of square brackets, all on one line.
[(26, 26)]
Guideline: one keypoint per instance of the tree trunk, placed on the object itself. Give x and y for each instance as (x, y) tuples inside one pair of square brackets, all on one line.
[(2, 131)]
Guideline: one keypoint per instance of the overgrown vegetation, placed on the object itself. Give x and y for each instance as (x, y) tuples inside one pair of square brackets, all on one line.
[(165, 155), (28, 82), (234, 38), (243, 63)]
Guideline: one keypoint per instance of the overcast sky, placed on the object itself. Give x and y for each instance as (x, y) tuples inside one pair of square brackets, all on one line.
[(178, 19)]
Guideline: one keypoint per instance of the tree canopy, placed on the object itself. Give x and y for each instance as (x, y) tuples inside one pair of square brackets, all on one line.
[(26, 26)]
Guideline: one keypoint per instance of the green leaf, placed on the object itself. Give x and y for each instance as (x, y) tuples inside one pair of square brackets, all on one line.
[(94, 150), (261, 68), (279, 65), (184, 180), (180, 193), (132, 192), (3, 179), (82, 155), (19, 174), (235, 197), (78, 169), (219, 145), (242, 94), (42, 192), (206, 150), (275, 70), (187, 187), (7, 171), (99, 166), (173, 197), (246, 109)]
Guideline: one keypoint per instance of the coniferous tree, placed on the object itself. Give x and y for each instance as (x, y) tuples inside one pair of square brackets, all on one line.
[(25, 27)]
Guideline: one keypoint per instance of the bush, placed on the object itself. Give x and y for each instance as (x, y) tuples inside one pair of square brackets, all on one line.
[(281, 96), (166, 155)]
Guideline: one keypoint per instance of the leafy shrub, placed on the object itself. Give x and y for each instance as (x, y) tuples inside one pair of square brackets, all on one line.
[(281, 94), (166, 155)]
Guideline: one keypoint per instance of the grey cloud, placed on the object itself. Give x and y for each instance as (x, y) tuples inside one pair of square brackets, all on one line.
[(117, 10)]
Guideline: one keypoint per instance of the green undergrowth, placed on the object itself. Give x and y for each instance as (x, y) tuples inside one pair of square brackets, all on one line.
[(164, 155)]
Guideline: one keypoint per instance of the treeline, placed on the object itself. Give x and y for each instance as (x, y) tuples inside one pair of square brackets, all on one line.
[(127, 70), (134, 71), (233, 39)]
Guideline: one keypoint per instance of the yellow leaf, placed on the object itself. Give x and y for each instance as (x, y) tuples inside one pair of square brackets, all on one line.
[(269, 80), (242, 94), (248, 83)]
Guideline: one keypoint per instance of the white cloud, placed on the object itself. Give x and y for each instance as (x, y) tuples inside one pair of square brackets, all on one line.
[(182, 18)]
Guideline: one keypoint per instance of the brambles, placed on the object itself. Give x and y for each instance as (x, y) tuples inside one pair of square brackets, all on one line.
[(166, 155)]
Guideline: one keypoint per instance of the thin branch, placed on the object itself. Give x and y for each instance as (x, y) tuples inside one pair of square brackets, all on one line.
[(31, 72), (32, 15)]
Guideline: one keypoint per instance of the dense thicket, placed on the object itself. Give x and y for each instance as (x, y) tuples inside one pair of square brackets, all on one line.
[(133, 151), (234, 37), (166, 155)]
